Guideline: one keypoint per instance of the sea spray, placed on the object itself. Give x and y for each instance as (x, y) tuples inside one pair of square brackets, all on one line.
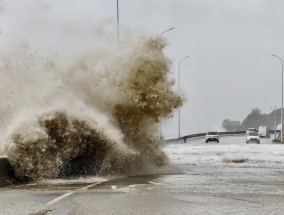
[(86, 105), (60, 143)]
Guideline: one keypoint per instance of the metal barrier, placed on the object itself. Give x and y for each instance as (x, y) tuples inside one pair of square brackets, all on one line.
[(184, 139), (277, 131)]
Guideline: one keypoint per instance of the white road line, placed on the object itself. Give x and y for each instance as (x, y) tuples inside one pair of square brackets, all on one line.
[(68, 194)]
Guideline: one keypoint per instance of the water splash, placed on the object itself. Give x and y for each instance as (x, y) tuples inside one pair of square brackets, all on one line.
[(84, 103)]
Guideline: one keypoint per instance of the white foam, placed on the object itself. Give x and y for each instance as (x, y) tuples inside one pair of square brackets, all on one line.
[(265, 154), (80, 180)]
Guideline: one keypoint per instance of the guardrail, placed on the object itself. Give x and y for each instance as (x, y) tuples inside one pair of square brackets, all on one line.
[(272, 131), (184, 139)]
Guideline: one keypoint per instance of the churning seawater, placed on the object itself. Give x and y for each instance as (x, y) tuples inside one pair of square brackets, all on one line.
[(76, 101)]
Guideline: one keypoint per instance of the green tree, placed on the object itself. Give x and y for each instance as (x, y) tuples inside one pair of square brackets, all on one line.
[(253, 120)]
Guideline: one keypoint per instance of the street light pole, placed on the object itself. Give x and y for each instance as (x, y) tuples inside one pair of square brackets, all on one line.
[(161, 35), (179, 94), (167, 31), (275, 120), (117, 9), (282, 99)]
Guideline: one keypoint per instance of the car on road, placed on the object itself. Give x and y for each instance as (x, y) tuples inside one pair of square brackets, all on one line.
[(263, 131), (251, 130), (212, 136), (253, 137)]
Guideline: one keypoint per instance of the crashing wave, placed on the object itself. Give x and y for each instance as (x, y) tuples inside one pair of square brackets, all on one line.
[(94, 104)]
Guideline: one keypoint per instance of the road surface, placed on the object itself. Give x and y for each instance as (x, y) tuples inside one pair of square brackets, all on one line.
[(231, 177)]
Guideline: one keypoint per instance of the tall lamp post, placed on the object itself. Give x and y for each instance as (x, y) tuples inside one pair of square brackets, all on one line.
[(167, 31), (161, 35), (275, 120), (117, 12), (179, 93), (282, 99)]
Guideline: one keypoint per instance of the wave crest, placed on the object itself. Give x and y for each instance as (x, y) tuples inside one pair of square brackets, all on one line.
[(94, 103), (59, 144)]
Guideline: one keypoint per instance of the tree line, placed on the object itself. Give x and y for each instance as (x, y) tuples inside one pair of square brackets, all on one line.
[(254, 120)]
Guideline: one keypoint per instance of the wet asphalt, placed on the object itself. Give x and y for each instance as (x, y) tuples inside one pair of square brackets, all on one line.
[(230, 177)]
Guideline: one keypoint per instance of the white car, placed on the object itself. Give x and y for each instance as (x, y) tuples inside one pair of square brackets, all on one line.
[(253, 137), (251, 130), (212, 136)]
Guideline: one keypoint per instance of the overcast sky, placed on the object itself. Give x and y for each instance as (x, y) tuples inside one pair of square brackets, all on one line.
[(230, 70)]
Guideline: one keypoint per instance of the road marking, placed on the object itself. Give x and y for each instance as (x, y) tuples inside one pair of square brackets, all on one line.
[(68, 194)]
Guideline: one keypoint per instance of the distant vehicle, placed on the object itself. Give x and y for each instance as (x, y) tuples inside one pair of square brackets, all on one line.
[(263, 131), (250, 130), (212, 136), (253, 137)]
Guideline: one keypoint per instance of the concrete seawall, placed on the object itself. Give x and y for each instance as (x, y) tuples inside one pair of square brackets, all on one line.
[(6, 177)]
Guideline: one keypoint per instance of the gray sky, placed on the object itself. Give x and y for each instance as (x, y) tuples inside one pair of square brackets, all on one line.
[(230, 70)]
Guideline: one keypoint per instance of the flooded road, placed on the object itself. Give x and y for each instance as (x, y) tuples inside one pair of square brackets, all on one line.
[(230, 177)]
